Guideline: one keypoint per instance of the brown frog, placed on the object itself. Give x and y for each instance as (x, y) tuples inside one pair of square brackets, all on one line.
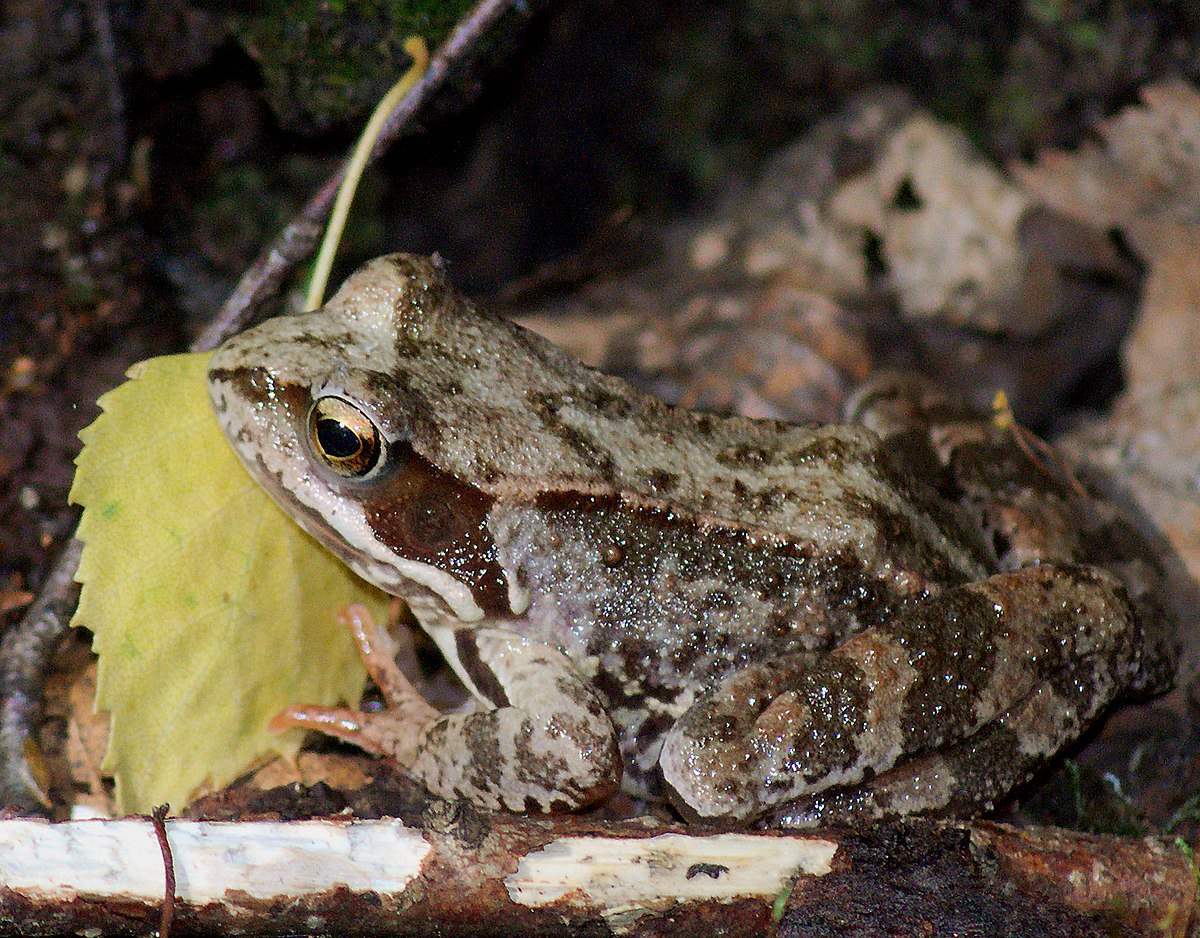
[(910, 611)]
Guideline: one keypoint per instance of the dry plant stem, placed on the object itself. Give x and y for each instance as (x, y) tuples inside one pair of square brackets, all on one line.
[(26, 650), (354, 167), (158, 817), (296, 242)]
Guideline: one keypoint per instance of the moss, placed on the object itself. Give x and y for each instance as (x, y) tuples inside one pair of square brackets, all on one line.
[(791, 58), (327, 62), (240, 209)]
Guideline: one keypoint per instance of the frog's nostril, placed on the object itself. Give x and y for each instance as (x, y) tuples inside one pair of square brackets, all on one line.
[(1001, 543)]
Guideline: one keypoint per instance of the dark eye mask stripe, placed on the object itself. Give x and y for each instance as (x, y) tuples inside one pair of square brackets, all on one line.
[(423, 514), (417, 511)]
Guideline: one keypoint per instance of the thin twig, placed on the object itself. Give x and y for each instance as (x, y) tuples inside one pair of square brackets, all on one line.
[(297, 241), (159, 818), (25, 654)]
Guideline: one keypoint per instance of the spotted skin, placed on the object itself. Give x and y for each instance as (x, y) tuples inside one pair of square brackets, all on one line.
[(907, 612)]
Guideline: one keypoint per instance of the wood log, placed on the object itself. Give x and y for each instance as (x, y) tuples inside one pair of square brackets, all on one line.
[(465, 873)]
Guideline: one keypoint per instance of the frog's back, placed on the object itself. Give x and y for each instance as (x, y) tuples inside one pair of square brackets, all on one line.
[(522, 421)]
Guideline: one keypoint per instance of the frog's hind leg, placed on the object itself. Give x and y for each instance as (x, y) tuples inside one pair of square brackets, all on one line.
[(547, 745), (1024, 500), (963, 780), (954, 667)]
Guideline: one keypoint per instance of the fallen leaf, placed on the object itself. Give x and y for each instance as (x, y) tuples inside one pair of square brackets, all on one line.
[(1147, 164), (1164, 344), (211, 610), (947, 223), (1143, 179)]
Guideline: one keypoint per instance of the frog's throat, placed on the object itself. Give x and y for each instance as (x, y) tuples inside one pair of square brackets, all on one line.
[(396, 575)]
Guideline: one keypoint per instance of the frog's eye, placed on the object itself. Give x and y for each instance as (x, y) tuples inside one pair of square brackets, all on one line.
[(344, 437)]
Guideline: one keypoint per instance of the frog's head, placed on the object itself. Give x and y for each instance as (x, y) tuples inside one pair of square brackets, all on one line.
[(339, 415)]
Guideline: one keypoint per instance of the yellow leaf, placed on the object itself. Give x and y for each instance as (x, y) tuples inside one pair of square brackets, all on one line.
[(211, 610)]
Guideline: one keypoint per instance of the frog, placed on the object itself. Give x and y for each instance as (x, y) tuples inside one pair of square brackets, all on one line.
[(910, 611)]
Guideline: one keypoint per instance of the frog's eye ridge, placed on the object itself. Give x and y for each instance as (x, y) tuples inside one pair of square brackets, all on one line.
[(344, 437)]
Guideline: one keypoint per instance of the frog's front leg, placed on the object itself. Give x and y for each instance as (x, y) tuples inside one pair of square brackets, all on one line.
[(970, 659), (547, 745)]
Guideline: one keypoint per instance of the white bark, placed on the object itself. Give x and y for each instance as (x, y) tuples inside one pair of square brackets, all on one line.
[(467, 873)]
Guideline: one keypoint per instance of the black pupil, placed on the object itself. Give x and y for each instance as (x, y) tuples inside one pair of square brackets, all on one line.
[(337, 440)]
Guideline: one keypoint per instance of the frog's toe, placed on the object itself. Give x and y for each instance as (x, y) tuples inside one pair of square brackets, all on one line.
[(385, 733), (378, 651), (334, 721)]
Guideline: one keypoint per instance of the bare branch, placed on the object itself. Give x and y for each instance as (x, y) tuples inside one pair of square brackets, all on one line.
[(472, 874), (25, 654)]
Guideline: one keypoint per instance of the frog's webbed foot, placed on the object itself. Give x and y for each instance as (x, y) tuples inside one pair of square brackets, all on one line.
[(1015, 665), (548, 745), (397, 736)]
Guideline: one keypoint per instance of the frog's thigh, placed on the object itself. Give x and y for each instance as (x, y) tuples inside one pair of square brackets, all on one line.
[(548, 745), (963, 780), (939, 673)]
